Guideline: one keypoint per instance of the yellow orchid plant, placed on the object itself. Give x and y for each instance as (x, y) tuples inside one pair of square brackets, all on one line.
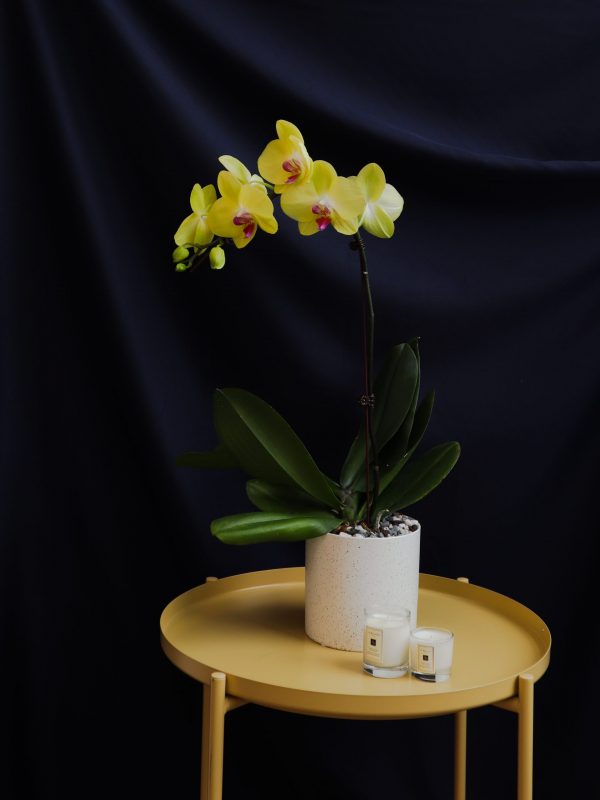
[(295, 500)]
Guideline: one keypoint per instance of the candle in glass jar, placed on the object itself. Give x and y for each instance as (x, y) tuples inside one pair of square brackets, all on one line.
[(386, 641), (431, 651)]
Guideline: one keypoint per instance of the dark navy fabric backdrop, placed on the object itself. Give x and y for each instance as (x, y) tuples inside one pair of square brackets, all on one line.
[(485, 116)]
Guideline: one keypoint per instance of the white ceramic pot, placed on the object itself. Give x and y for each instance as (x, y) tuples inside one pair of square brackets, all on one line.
[(345, 574)]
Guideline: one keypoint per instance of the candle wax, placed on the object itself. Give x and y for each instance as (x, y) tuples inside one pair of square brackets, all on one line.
[(431, 651), (386, 641)]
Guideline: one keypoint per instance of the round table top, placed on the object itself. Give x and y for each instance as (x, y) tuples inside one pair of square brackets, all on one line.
[(251, 627)]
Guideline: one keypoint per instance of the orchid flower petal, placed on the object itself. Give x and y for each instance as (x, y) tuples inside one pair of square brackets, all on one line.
[(308, 228), (229, 185), (267, 224), (186, 231), (377, 222), (237, 169), (346, 226), (322, 176), (193, 230), (221, 216), (197, 199), (255, 201), (348, 199), (298, 202), (391, 201), (373, 180), (210, 195), (243, 240), (285, 129)]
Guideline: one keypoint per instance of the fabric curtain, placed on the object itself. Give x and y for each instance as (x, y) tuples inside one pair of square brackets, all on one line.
[(485, 116)]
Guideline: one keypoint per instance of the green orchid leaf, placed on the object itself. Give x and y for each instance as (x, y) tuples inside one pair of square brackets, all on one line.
[(281, 499), (421, 421), (333, 485), (270, 527), (394, 392), (419, 477), (349, 504), (395, 449), (265, 445), (219, 458), (393, 459), (398, 444)]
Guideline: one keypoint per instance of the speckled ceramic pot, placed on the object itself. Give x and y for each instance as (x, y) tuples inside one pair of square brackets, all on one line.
[(345, 574)]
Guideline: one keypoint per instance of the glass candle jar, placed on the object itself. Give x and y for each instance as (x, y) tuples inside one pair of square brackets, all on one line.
[(386, 641), (431, 651)]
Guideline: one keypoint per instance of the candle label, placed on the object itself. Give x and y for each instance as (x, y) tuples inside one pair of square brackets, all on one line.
[(425, 659), (373, 643)]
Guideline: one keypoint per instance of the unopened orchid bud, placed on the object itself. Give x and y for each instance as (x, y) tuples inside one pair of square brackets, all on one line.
[(217, 257), (180, 254)]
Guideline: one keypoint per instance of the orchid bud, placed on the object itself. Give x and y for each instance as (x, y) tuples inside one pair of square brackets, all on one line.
[(217, 257), (180, 254)]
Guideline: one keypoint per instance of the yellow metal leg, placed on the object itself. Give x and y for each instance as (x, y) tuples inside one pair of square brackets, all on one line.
[(525, 757), (215, 704), (460, 748), (460, 755), (205, 749), (216, 735)]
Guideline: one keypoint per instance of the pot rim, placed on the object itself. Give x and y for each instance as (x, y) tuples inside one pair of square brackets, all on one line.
[(368, 538)]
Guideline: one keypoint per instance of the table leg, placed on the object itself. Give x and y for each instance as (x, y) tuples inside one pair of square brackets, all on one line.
[(525, 756), (460, 748), (204, 764), (216, 735), (460, 755)]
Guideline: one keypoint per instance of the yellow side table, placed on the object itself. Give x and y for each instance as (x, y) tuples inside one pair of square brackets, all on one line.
[(243, 638)]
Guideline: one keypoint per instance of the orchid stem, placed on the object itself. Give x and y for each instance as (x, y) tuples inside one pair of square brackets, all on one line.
[(368, 399)]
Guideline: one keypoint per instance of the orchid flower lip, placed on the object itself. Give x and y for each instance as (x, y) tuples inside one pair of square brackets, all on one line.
[(243, 219), (323, 215), (247, 220), (292, 165)]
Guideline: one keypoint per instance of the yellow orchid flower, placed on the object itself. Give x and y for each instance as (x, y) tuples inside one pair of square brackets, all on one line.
[(285, 161), (242, 207), (241, 171), (195, 229), (323, 200), (384, 204)]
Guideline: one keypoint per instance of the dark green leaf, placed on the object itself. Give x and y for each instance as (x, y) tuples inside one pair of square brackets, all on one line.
[(422, 417), (281, 499), (419, 477), (265, 445), (219, 458), (395, 449), (270, 527), (394, 392), (391, 462), (335, 487), (398, 444)]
